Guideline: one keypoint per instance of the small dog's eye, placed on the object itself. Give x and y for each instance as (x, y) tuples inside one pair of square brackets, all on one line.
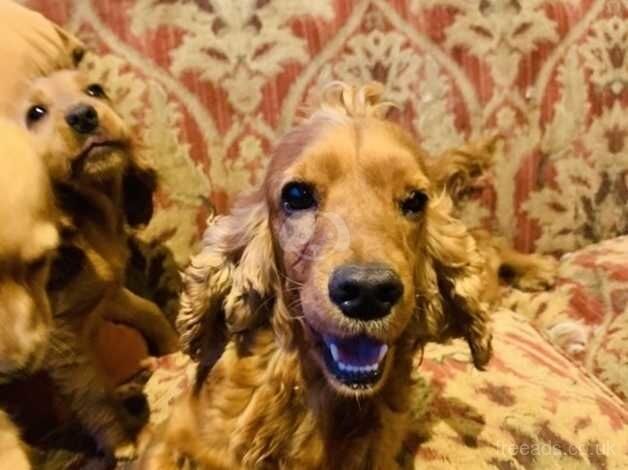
[(35, 113), (95, 91), (297, 197), (414, 203), (67, 265), (34, 267)]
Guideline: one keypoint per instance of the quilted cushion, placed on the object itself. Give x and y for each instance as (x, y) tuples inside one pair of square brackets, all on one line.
[(532, 408), (586, 315)]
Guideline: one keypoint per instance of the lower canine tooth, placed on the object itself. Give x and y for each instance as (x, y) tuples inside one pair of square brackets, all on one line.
[(382, 352), (333, 349)]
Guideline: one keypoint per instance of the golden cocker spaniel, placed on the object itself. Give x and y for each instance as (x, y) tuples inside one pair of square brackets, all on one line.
[(324, 283)]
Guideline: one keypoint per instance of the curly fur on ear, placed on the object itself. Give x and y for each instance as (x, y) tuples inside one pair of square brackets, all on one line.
[(455, 169), (231, 281), (451, 285)]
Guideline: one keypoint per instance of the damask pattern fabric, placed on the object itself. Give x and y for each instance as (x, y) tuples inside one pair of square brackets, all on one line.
[(214, 82), (531, 409)]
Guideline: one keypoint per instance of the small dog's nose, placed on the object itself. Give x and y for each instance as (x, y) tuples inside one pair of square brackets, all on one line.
[(365, 292), (83, 118)]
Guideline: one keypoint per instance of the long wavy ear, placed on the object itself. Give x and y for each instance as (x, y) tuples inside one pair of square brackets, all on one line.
[(229, 285), (450, 284)]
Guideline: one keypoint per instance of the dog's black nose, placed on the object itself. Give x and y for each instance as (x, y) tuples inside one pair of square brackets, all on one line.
[(83, 118), (365, 292)]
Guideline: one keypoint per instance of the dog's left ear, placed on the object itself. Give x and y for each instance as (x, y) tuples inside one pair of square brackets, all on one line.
[(138, 186), (455, 169), (451, 283)]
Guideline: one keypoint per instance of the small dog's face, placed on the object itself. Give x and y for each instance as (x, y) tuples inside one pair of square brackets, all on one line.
[(74, 127), (349, 218), (28, 238), (84, 142)]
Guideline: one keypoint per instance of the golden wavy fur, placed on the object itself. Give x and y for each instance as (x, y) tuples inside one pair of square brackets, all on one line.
[(309, 379), (457, 171), (102, 188), (28, 238)]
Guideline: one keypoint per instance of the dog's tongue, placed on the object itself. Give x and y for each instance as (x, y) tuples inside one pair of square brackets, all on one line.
[(357, 351)]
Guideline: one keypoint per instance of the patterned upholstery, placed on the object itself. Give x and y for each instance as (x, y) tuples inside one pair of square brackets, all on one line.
[(214, 82), (531, 409), (586, 315)]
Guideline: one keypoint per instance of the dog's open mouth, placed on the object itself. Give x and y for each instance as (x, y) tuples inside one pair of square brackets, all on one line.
[(357, 362)]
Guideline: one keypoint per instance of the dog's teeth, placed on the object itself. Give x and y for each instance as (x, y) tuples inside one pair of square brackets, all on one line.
[(343, 366), (334, 351), (382, 352)]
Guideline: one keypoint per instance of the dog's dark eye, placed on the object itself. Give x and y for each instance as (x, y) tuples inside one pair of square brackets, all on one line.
[(35, 113), (414, 203), (95, 91), (68, 264), (297, 197), (37, 267)]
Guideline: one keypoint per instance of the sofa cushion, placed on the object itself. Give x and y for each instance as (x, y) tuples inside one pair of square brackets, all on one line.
[(531, 409), (586, 314)]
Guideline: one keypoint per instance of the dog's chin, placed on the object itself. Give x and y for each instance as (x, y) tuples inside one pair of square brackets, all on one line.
[(99, 159), (354, 366)]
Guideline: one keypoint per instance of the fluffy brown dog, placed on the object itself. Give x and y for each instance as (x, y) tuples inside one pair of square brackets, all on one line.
[(102, 188), (28, 238), (457, 171), (329, 279)]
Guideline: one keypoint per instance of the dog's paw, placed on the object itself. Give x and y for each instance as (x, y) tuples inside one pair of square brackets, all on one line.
[(149, 364), (167, 341), (541, 275), (125, 452), (570, 336)]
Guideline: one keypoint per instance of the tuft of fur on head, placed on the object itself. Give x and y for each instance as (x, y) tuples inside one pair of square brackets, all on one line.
[(341, 100)]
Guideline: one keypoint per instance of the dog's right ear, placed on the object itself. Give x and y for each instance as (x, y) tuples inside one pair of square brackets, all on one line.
[(230, 283)]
